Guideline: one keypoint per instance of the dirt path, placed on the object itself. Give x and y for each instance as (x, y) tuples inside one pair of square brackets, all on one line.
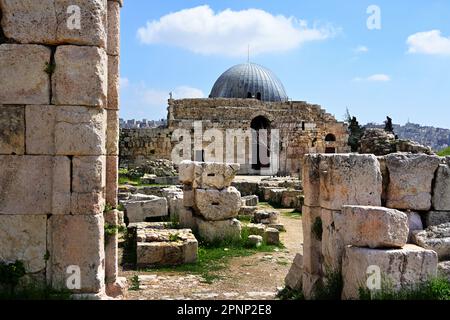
[(253, 277)]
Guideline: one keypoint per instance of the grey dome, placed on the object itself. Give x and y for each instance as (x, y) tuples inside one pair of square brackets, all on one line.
[(249, 80)]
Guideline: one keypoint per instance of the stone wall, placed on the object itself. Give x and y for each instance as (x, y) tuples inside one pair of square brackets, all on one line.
[(362, 211), (59, 72), (303, 129)]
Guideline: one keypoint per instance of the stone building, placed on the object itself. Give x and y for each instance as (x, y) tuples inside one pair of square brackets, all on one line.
[(245, 97)]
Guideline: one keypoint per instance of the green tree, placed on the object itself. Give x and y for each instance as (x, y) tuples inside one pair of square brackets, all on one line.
[(355, 131), (388, 127)]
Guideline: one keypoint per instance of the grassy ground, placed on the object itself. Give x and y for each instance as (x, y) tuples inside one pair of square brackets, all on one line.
[(445, 152)]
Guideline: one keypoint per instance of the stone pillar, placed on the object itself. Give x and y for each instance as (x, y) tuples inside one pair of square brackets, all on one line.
[(58, 138)]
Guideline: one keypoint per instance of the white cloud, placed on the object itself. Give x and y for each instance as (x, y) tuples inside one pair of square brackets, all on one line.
[(429, 42), (124, 82), (203, 31), (361, 49), (374, 78)]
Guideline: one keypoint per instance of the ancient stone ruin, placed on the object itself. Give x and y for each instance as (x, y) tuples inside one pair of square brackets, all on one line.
[(363, 212), (59, 136)]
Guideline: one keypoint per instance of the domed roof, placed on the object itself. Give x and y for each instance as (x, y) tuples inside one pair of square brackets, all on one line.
[(249, 80)]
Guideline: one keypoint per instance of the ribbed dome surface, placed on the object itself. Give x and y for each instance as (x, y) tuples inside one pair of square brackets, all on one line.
[(249, 80)]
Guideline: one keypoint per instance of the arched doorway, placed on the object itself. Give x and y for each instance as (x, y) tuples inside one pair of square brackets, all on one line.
[(261, 143), (329, 141)]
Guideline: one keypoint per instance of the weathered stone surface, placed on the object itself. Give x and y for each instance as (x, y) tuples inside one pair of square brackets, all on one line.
[(291, 198), (80, 69), (275, 195), (441, 192), (24, 68), (215, 175), (435, 238), (218, 230), (113, 28), (186, 172), (217, 205), (111, 247), (112, 133), (410, 182), (294, 278), (113, 83), (255, 240), (93, 24), (23, 238), (247, 211), (89, 174), (272, 236), (12, 130), (188, 196), (312, 241), (435, 218), (138, 211), (90, 203), (349, 179), (165, 247), (266, 216), (444, 269), (257, 229), (311, 179), (48, 21), (31, 184), (250, 201), (310, 284), (40, 133), (373, 227), (414, 223), (404, 267), (332, 244), (112, 180), (80, 131), (186, 219), (77, 241)]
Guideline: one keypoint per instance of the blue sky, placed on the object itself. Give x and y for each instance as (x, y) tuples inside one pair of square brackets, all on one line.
[(322, 51)]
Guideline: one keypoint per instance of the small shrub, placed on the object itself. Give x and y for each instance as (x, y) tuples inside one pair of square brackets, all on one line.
[(289, 294), (445, 152), (50, 68), (331, 288), (174, 237), (11, 273), (135, 283)]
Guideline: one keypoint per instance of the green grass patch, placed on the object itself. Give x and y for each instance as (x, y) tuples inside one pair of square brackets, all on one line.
[(445, 152), (433, 289), (331, 288), (294, 214), (289, 294), (265, 205)]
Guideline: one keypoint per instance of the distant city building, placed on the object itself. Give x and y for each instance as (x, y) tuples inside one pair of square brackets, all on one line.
[(142, 124)]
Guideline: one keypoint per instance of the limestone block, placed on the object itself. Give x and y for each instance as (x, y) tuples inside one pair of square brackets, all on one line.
[(93, 23), (373, 227), (414, 224), (444, 269), (80, 131), (435, 238), (291, 198), (435, 218), (310, 283), (215, 175), (218, 230), (23, 238), (294, 278), (29, 21), (12, 130), (49, 22), (77, 241), (255, 241), (257, 229), (217, 205), (112, 133), (312, 241), (272, 236), (248, 211), (410, 182), (80, 70), (349, 179), (441, 192), (332, 244), (186, 172), (250, 201), (114, 28), (24, 68), (311, 179), (40, 133), (89, 174), (138, 211), (275, 196), (385, 175), (34, 184), (186, 219), (90, 203), (402, 268), (112, 180), (113, 83), (266, 216)]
